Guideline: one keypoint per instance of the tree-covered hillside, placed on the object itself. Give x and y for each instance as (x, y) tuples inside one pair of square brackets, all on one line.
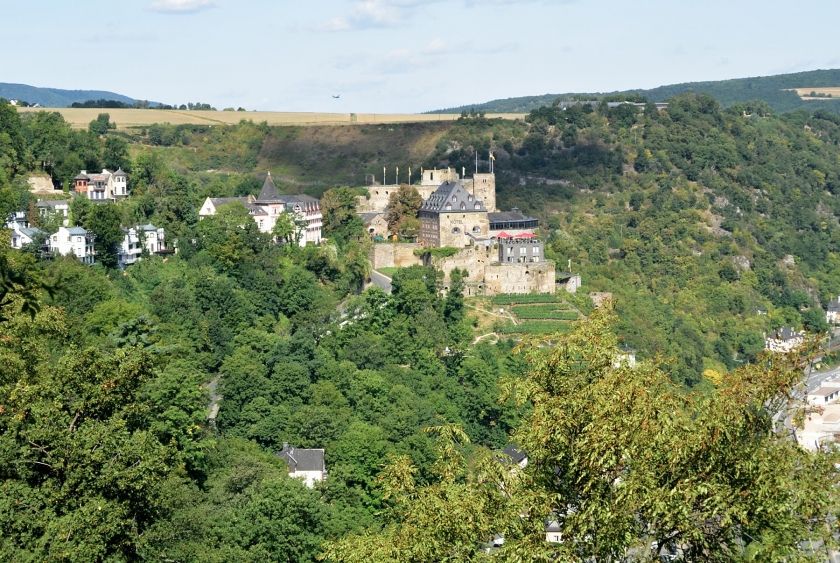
[(771, 89), (141, 411)]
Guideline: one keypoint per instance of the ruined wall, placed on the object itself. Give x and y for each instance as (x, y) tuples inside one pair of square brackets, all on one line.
[(519, 278), (377, 199), (394, 255)]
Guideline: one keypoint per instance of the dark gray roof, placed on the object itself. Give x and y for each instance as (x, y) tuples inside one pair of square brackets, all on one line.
[(147, 227), (452, 197), (255, 209), (269, 190), (120, 172), (508, 217), (300, 459), (76, 231), (834, 305), (51, 202), (786, 333), (552, 525), (81, 176), (514, 453), (368, 217), (217, 201), (31, 232)]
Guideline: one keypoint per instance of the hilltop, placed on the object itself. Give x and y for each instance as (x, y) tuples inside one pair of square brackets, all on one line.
[(56, 97), (777, 90)]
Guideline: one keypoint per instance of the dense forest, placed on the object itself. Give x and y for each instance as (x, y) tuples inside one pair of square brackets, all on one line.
[(107, 450), (775, 90)]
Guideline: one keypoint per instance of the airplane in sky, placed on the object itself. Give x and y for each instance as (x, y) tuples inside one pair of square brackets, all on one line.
[(336, 96)]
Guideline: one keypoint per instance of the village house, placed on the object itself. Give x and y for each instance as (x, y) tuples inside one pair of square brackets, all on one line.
[(305, 464), (104, 186), (21, 236), (50, 208), (783, 340), (73, 241), (269, 205), (140, 239)]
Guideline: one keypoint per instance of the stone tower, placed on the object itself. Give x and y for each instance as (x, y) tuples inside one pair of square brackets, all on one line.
[(484, 188)]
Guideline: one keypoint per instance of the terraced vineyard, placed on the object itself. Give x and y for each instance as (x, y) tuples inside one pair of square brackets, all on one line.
[(535, 314)]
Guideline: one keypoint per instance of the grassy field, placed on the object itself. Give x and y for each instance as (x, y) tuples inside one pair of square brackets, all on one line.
[(125, 118), (805, 93), (544, 312)]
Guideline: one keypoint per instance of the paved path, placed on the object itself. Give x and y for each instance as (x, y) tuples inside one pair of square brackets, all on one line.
[(381, 280)]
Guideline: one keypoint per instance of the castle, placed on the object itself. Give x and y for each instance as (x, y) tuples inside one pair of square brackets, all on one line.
[(499, 249)]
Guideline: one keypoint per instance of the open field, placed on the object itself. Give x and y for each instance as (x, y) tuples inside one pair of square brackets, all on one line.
[(805, 93), (124, 118)]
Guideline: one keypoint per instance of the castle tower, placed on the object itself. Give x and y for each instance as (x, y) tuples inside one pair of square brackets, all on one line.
[(484, 188)]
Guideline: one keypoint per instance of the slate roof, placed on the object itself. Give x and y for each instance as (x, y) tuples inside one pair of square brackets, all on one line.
[(269, 190), (51, 202), (508, 217), (147, 227), (120, 172), (74, 231), (785, 334), (81, 176), (452, 197), (300, 459), (367, 218), (514, 453), (255, 209), (218, 201), (31, 232)]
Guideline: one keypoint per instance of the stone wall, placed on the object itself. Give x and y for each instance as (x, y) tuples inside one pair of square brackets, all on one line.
[(519, 278), (484, 188), (454, 228), (394, 255), (488, 277)]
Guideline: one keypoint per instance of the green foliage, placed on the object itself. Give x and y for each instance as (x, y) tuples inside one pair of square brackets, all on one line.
[(544, 312)]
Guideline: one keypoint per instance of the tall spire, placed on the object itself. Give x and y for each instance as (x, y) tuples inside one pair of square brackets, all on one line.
[(269, 190)]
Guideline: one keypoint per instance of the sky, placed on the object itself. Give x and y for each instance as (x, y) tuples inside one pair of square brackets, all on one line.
[(401, 56)]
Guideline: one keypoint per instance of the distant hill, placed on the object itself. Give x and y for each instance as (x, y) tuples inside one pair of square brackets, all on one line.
[(772, 89), (55, 97)]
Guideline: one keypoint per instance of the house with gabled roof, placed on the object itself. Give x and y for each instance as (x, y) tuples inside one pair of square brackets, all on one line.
[(104, 186), (73, 241), (305, 464), (784, 340), (270, 204)]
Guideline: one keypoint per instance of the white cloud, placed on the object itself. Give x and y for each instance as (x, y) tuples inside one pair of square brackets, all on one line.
[(181, 6)]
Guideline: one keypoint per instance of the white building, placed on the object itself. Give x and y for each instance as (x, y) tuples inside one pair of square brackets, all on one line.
[(22, 236), (305, 464), (49, 208), (138, 239), (269, 205), (783, 340), (104, 186), (73, 241)]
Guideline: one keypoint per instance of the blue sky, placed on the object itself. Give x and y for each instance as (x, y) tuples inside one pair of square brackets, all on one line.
[(403, 55)]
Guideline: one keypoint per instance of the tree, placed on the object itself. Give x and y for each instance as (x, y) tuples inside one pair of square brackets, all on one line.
[(104, 222), (101, 124), (338, 207), (402, 209), (622, 461), (115, 154)]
